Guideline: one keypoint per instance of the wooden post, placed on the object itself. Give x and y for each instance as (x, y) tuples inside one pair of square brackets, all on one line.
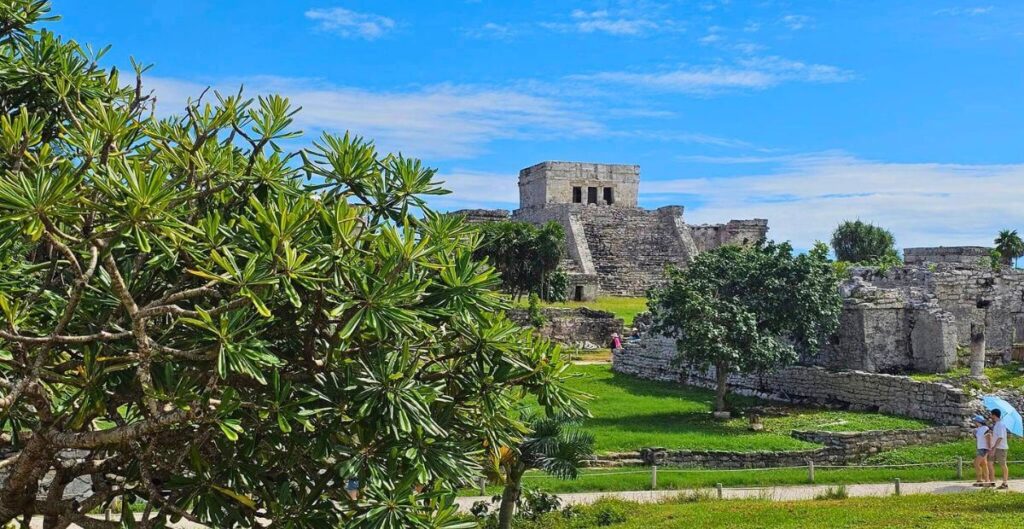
[(718, 487), (483, 486), (810, 470), (896, 482), (654, 477), (959, 467)]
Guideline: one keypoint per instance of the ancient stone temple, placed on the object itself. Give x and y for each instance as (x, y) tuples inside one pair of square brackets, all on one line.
[(613, 246)]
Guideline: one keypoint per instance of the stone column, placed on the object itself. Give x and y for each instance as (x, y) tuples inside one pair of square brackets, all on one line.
[(977, 350)]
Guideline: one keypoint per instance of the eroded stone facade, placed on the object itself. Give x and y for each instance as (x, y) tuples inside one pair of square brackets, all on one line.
[(575, 327), (916, 317)]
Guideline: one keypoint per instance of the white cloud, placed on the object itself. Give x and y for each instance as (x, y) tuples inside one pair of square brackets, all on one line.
[(924, 204), (964, 11), (478, 189), (493, 30), (796, 22), (623, 22), (713, 35), (753, 73), (441, 121), (351, 24)]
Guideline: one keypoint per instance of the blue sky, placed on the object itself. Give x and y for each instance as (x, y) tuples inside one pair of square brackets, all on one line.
[(906, 114)]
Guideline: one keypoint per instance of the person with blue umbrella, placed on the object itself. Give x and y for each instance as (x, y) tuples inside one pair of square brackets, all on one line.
[(1005, 420)]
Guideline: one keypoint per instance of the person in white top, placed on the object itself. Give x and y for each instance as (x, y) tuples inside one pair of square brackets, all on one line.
[(983, 434), (999, 448)]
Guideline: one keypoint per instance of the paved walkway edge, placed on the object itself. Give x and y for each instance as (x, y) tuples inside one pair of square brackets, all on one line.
[(781, 493)]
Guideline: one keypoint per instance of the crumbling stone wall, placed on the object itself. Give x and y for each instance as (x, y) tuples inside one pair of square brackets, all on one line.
[(653, 358), (841, 448), (742, 232), (886, 330), (573, 326), (962, 255), (484, 215), (969, 294)]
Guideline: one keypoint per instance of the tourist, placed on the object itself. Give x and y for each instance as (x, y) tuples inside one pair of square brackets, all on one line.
[(616, 341), (636, 334), (983, 435), (1000, 446)]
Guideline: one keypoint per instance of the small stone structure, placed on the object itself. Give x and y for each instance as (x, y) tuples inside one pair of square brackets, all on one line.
[(573, 326), (654, 358), (613, 246)]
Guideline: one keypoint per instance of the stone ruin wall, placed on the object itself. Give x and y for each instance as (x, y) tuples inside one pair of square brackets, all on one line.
[(841, 448), (483, 215), (966, 294), (709, 236), (884, 330), (574, 327), (962, 255), (653, 358)]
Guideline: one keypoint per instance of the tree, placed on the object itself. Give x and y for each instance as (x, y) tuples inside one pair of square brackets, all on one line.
[(554, 445), (1010, 247), (193, 318), (527, 256), (860, 242), (741, 309)]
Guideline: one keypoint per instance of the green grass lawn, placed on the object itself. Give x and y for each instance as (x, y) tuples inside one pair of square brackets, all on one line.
[(639, 478), (630, 413), (1004, 376), (980, 509)]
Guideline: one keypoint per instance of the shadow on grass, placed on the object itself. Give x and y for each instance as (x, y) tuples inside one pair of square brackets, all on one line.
[(648, 388), (673, 423)]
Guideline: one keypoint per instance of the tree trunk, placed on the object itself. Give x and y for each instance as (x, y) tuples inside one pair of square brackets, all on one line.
[(509, 497), (977, 350), (721, 377)]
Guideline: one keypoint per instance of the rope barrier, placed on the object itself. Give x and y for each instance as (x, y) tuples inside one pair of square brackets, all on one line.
[(663, 470)]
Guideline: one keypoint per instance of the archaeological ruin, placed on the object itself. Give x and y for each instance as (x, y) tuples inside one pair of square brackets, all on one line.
[(914, 318), (613, 246)]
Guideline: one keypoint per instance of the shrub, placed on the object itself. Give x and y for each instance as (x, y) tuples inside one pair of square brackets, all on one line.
[(607, 513), (196, 318), (833, 493), (534, 312)]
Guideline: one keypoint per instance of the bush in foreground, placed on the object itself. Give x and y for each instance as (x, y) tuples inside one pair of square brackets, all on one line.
[(197, 320)]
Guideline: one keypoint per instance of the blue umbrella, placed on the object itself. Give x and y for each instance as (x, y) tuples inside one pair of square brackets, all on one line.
[(1010, 417)]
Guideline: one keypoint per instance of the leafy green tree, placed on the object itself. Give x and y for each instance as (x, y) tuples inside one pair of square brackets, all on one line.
[(554, 445), (527, 256), (861, 242), (748, 309), (193, 318), (1010, 247)]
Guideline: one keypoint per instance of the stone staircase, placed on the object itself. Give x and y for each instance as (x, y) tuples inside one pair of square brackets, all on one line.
[(631, 247)]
